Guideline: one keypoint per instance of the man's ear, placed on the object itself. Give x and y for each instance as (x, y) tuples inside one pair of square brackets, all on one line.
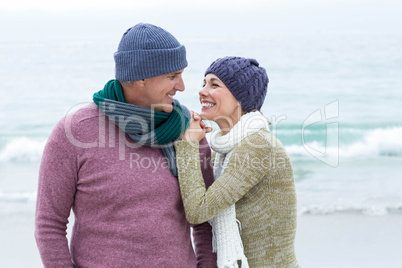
[(140, 83)]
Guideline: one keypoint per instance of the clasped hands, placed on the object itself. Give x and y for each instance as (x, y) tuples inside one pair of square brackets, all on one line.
[(196, 130)]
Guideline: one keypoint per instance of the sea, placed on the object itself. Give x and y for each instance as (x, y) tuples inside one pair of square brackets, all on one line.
[(334, 96)]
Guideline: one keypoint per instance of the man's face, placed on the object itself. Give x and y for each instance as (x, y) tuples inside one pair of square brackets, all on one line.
[(159, 91)]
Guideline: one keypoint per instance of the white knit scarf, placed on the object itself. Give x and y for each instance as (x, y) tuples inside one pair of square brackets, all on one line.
[(226, 240)]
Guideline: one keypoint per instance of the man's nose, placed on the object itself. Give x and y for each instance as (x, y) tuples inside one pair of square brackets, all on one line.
[(180, 85)]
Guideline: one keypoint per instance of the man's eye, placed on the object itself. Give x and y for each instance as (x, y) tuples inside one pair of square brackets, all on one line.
[(172, 77), (215, 85)]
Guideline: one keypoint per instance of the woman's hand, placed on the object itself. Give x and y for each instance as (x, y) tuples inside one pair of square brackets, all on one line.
[(196, 130)]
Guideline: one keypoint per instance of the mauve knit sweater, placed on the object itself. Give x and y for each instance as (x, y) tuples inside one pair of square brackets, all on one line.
[(127, 205)]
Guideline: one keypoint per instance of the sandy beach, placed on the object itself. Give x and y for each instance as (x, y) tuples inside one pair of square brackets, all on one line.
[(349, 241), (338, 240)]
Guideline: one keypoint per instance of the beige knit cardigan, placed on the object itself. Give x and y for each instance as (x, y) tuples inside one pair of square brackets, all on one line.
[(259, 180)]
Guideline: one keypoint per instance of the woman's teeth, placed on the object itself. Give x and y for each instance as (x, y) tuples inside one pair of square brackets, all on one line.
[(205, 104)]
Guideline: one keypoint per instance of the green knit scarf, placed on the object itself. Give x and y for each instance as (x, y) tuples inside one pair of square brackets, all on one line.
[(161, 129)]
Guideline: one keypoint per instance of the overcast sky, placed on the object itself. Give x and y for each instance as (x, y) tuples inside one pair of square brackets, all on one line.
[(53, 5), (26, 17), (64, 5)]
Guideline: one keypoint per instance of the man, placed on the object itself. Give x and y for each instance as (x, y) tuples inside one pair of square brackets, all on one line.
[(113, 163)]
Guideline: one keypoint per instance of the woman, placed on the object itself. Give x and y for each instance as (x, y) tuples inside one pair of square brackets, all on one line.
[(252, 203)]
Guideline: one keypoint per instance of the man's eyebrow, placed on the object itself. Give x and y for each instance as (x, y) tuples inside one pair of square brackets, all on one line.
[(174, 73)]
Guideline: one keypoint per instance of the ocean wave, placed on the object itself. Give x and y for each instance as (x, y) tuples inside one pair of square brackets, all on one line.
[(22, 149), (29, 198), (377, 142), (22, 197), (336, 209), (383, 142), (14, 204)]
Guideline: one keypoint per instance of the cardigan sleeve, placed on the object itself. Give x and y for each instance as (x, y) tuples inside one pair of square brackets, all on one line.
[(247, 166), (202, 233)]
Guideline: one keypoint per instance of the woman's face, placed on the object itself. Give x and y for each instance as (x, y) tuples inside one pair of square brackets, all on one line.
[(218, 103)]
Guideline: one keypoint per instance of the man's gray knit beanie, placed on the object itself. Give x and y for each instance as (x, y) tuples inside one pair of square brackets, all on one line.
[(145, 51)]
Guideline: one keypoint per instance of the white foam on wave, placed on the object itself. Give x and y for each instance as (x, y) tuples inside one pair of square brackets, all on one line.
[(22, 149), (29, 198), (386, 142), (377, 142), (17, 203), (22, 197), (374, 210)]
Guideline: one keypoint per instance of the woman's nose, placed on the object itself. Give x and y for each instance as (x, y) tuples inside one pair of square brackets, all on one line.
[(203, 91)]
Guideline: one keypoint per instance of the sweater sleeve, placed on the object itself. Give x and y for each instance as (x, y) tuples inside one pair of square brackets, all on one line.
[(202, 233), (246, 168), (55, 196)]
